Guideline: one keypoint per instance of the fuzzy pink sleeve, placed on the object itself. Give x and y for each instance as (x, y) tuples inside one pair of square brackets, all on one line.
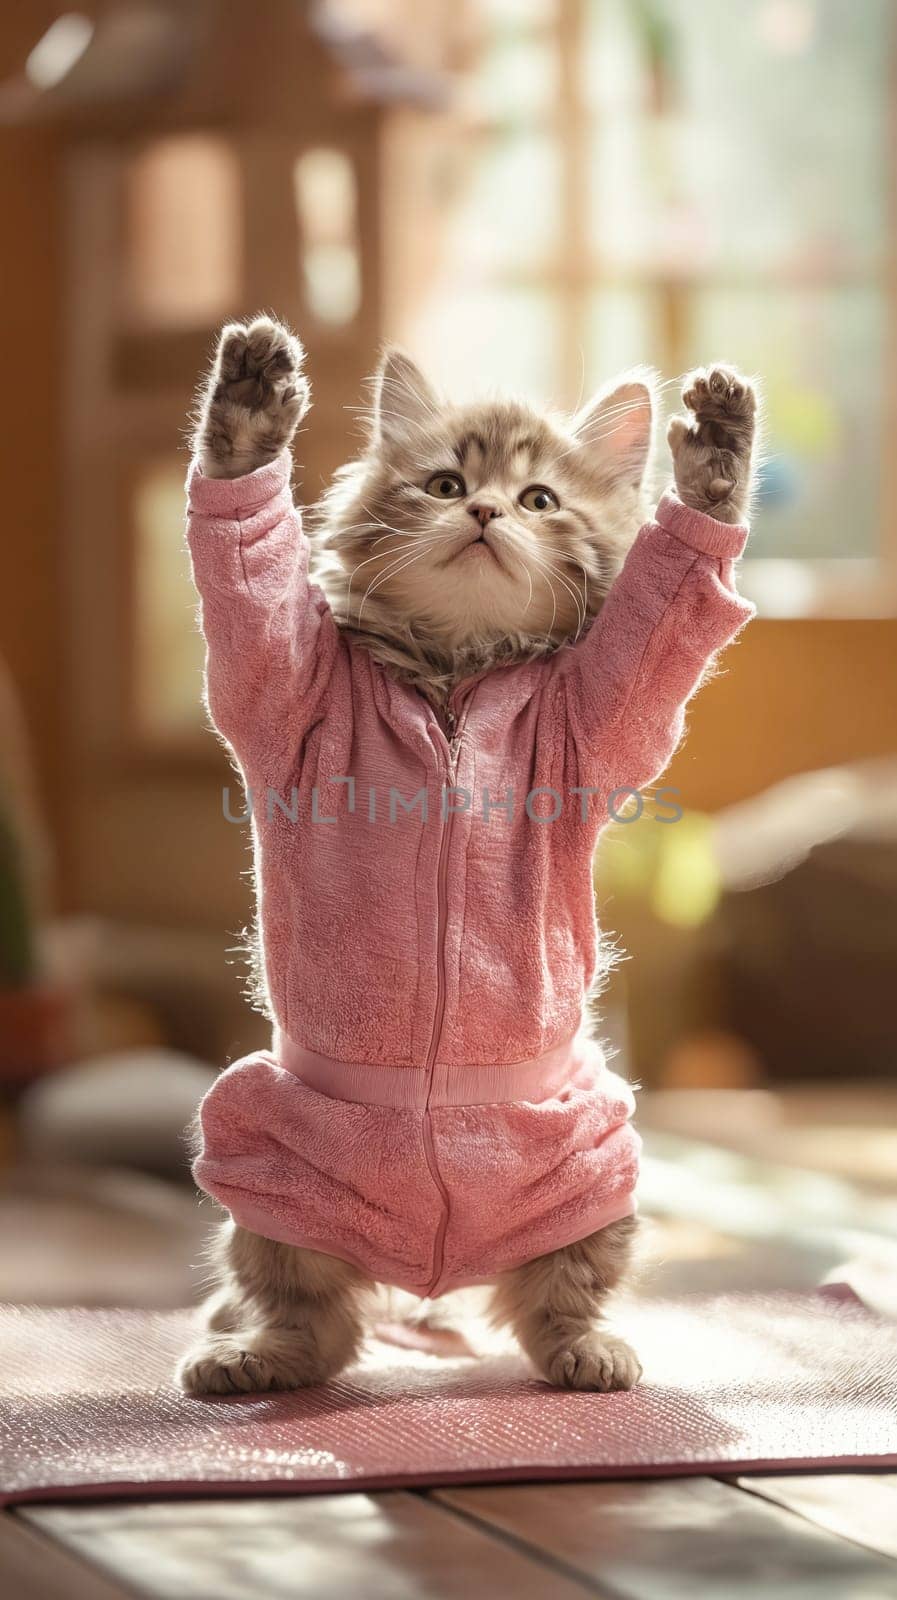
[(628, 680), (271, 640)]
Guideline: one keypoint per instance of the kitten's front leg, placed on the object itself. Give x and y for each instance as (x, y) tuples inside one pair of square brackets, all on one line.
[(254, 399), (713, 450)]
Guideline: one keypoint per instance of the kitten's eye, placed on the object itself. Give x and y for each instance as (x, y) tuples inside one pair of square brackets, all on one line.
[(446, 486), (538, 498)]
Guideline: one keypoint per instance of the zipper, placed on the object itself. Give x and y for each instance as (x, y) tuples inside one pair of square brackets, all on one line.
[(449, 744)]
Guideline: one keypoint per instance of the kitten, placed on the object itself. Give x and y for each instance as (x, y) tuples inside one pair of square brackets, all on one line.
[(462, 538)]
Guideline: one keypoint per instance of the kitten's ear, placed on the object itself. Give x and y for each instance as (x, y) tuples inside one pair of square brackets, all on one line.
[(616, 428), (403, 399)]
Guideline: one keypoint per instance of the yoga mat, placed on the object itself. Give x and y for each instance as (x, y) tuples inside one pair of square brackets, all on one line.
[(733, 1383)]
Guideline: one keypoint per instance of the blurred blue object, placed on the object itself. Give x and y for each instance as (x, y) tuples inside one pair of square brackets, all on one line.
[(778, 483)]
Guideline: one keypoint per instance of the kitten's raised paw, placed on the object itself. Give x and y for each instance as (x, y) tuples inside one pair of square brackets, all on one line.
[(250, 1362), (255, 399), (598, 1361), (255, 361), (718, 394), (712, 449)]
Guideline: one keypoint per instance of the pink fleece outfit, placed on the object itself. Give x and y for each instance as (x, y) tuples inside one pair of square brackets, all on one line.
[(432, 1107)]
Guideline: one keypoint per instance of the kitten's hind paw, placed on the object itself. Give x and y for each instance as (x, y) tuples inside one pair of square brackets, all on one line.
[(596, 1360), (253, 1361)]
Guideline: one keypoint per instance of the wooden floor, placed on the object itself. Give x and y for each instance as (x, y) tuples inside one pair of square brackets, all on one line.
[(814, 1535), (829, 1537)]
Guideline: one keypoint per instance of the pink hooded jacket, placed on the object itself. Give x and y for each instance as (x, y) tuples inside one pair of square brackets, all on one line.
[(432, 1108)]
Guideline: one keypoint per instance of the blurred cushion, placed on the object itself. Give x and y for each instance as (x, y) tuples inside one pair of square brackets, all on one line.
[(129, 1109)]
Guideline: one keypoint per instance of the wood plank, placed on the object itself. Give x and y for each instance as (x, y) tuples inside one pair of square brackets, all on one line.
[(35, 1567), (860, 1506), (386, 1547), (680, 1537)]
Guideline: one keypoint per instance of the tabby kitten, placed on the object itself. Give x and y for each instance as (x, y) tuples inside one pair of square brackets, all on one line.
[(462, 536)]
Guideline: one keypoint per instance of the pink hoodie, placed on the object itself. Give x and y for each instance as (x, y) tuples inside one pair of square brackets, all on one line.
[(432, 1108)]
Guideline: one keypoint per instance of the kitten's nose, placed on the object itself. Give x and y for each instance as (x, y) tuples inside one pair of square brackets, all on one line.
[(484, 511)]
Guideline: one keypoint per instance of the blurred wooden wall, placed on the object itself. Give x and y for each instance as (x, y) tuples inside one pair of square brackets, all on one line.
[(31, 616), (792, 696)]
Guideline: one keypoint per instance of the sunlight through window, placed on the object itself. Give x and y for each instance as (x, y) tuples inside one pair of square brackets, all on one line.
[(324, 184), (183, 232)]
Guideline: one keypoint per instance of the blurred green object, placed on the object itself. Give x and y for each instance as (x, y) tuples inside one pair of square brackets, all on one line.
[(655, 33), (659, 890), (669, 868)]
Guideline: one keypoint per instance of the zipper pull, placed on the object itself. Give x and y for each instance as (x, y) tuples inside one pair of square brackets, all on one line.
[(454, 753)]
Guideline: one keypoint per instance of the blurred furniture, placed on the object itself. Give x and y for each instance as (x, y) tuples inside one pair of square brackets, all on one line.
[(132, 1109), (763, 939), (145, 986), (806, 929)]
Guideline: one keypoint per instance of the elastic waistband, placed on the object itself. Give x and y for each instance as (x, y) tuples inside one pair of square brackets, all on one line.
[(538, 1078)]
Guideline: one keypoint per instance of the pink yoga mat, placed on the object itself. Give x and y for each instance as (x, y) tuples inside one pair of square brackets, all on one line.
[(733, 1383)]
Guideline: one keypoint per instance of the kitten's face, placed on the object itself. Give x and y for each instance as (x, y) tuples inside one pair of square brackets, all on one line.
[(472, 523)]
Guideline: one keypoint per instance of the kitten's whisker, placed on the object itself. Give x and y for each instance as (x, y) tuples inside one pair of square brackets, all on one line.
[(536, 556), (374, 518), (357, 527), (616, 414), (570, 587), (582, 379), (366, 563), (382, 577), (419, 537), (372, 411), (587, 575), (424, 543), (529, 579), (403, 388), (554, 604), (530, 555)]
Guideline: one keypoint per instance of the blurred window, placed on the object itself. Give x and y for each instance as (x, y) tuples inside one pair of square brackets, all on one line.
[(183, 232), (646, 180), (168, 648), (324, 182)]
